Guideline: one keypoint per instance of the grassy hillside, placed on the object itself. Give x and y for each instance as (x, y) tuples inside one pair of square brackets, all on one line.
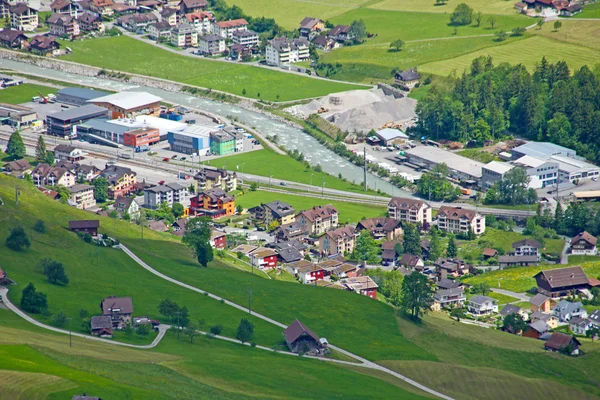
[(233, 78), (23, 93)]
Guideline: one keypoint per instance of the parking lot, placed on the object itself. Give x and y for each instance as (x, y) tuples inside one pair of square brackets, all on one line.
[(383, 155)]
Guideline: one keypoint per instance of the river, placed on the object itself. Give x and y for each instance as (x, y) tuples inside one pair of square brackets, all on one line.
[(290, 137)]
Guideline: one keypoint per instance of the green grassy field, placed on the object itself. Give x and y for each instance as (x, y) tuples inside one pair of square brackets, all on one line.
[(581, 33), (499, 7), (23, 93), (527, 52), (268, 163), (589, 11), (502, 298), (349, 212), (148, 60)]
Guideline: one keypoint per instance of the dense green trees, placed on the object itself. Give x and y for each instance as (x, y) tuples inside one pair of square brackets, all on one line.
[(15, 147), (462, 15), (512, 189), (54, 271), (412, 240), (434, 185), (197, 237), (40, 150), (366, 248), (18, 239), (32, 301), (416, 296), (100, 189), (549, 104)]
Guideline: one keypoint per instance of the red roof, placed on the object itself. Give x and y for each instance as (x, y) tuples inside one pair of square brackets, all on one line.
[(232, 23)]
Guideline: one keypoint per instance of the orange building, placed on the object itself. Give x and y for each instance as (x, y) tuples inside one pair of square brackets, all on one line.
[(129, 104), (214, 203), (141, 137)]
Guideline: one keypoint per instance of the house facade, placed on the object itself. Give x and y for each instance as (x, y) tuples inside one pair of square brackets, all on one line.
[(169, 193), (127, 205), (121, 180), (184, 35), (82, 196), (213, 203), (225, 29), (410, 210), (245, 38), (277, 210), (482, 305), (460, 221), (264, 258), (407, 79), (318, 219), (211, 44), (584, 244), (381, 228), (283, 51), (46, 175), (23, 17), (454, 297), (338, 241), (64, 152), (63, 25), (211, 177)]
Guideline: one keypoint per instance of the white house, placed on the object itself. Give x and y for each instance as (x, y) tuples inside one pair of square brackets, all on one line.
[(565, 310), (579, 326), (482, 305), (226, 28), (169, 193), (584, 244), (211, 44), (64, 152), (283, 51)]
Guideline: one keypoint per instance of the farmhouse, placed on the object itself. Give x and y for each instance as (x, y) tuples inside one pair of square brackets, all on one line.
[(407, 79), (563, 343), (310, 26), (129, 104), (300, 339), (517, 261), (584, 244), (410, 210), (459, 220), (13, 39), (119, 309), (561, 282), (101, 326), (85, 226)]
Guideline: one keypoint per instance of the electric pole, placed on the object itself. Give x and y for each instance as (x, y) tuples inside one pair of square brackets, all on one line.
[(365, 168), (17, 194)]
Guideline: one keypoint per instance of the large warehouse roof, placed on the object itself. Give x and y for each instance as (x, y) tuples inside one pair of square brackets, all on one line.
[(128, 100), (452, 160), (543, 150)]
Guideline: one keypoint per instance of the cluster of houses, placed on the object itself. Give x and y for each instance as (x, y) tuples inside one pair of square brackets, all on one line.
[(117, 313), (550, 8)]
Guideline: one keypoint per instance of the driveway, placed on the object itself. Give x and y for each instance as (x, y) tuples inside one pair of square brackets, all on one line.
[(564, 256), (520, 296)]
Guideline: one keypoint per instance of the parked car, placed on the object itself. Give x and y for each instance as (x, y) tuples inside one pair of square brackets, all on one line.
[(183, 158), (174, 157), (161, 182), (283, 183), (166, 159)]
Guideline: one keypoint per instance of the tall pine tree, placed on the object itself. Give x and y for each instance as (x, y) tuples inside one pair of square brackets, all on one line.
[(451, 251), (40, 150), (435, 247), (15, 147), (412, 241)]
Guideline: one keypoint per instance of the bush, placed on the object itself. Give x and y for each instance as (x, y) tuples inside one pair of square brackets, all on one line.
[(142, 330), (87, 238), (18, 239), (216, 329), (40, 226)]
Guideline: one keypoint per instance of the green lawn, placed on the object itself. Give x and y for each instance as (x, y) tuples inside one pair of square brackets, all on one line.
[(502, 298), (527, 52), (581, 33), (478, 155), (23, 93), (501, 7), (148, 60), (268, 163), (589, 11), (349, 212)]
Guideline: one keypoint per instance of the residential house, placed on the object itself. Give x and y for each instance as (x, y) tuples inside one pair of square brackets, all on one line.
[(338, 241), (201, 21), (541, 303), (263, 258), (288, 232), (211, 177), (218, 239), (460, 221), (454, 267), (211, 44), (89, 226), (63, 25), (584, 244), (571, 9), (283, 51), (565, 310), (549, 319), (101, 326), (562, 342), (170, 15), (517, 261), (411, 262), (127, 205), (580, 326), (184, 35), (90, 22), (444, 284), (64, 152), (561, 282), (102, 7), (594, 318), (310, 26), (21, 166), (536, 329), (86, 172), (413, 211), (179, 226), (12, 38), (65, 7), (23, 17), (453, 297), (121, 180), (513, 309), (225, 29), (290, 252), (137, 22), (275, 211), (44, 174), (246, 38), (526, 247), (300, 339), (407, 79), (489, 253), (214, 203), (158, 30), (389, 257), (82, 196), (193, 6), (341, 33), (362, 285), (325, 42), (119, 309), (318, 219), (482, 305), (169, 193), (381, 228), (307, 272)]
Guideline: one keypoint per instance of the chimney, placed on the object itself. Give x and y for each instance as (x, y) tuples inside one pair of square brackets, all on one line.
[(572, 275)]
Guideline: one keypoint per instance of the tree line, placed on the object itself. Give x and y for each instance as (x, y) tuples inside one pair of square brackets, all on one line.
[(488, 101)]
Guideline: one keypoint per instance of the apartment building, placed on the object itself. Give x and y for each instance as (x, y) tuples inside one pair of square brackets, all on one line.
[(318, 219), (47, 175), (121, 180), (82, 196), (246, 38), (184, 35), (211, 44), (410, 210), (169, 193), (201, 21), (284, 51), (63, 25), (23, 17), (276, 210), (338, 241), (212, 177), (226, 28), (460, 221)]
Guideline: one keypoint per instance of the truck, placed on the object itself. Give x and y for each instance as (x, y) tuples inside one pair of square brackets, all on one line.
[(125, 155), (466, 192), (142, 148)]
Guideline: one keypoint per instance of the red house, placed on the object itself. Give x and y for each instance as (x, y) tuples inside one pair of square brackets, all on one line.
[(311, 273), (362, 284), (218, 240), (264, 258)]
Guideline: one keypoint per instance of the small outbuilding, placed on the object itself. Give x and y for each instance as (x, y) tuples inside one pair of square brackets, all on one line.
[(563, 343), (300, 339), (89, 226), (101, 326)]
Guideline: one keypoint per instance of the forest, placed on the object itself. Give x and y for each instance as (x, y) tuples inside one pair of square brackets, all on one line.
[(491, 102)]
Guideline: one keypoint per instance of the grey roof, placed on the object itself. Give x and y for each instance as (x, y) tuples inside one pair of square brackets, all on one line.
[(104, 125), (161, 25), (510, 309), (512, 259), (86, 111), (289, 254), (539, 326), (101, 322), (175, 186), (538, 299), (184, 27), (284, 43), (527, 242), (212, 38), (543, 149), (579, 321), (565, 307), (241, 33), (481, 299), (540, 315), (80, 188), (448, 284), (448, 292), (280, 209), (86, 94), (20, 8), (408, 75)]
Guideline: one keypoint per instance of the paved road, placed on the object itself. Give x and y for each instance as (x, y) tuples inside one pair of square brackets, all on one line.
[(564, 256), (365, 363), (520, 296), (162, 329)]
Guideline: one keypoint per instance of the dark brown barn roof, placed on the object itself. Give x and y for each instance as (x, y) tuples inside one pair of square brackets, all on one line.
[(559, 341), (84, 224), (561, 277), (297, 329), (585, 236)]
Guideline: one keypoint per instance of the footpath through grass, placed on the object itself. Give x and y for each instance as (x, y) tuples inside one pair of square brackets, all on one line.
[(23, 93), (145, 59)]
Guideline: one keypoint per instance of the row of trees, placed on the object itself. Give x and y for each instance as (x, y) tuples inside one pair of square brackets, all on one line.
[(487, 101), (434, 185), (576, 218)]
